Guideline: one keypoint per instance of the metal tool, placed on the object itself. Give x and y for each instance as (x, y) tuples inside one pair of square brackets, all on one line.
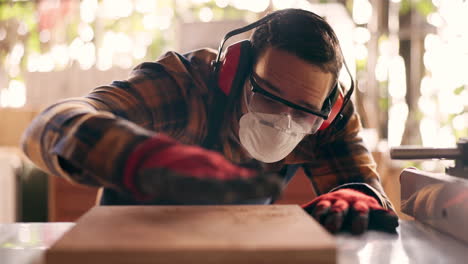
[(459, 154), (437, 199)]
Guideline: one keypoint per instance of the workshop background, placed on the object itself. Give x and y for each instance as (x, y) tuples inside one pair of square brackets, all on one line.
[(410, 58)]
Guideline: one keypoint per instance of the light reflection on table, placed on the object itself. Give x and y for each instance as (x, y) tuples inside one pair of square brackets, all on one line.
[(25, 243), (414, 243)]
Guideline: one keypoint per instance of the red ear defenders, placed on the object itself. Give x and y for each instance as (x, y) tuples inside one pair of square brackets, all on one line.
[(233, 68)]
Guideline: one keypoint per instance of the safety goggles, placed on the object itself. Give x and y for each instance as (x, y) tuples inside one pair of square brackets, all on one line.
[(282, 114)]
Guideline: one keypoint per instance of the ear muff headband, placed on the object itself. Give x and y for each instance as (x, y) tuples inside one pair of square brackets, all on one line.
[(235, 66), (217, 62), (231, 69), (336, 100)]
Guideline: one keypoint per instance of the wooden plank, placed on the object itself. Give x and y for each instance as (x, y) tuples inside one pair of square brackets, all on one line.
[(195, 234)]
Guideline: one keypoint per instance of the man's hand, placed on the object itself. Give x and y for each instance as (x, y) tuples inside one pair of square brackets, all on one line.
[(352, 211), (162, 168)]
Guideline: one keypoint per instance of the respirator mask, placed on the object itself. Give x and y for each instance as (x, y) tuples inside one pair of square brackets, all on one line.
[(273, 127)]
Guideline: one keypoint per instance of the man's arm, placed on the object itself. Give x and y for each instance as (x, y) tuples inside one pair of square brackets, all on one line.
[(343, 173), (338, 158), (86, 140), (107, 138)]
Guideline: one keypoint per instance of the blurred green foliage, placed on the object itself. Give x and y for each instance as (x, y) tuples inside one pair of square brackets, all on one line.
[(459, 90), (384, 103), (424, 7)]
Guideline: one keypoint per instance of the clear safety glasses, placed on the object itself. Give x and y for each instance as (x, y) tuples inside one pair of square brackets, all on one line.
[(281, 114)]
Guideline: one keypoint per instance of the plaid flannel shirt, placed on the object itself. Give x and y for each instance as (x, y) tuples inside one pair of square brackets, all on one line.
[(88, 139)]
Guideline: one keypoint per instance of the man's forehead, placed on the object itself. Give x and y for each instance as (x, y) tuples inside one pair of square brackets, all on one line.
[(287, 75)]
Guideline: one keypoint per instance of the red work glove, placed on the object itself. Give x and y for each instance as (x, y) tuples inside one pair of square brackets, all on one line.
[(162, 168), (352, 211)]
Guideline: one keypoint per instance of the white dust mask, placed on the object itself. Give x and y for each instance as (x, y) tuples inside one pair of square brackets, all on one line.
[(263, 141)]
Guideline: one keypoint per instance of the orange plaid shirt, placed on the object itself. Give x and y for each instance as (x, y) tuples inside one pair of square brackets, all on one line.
[(95, 134)]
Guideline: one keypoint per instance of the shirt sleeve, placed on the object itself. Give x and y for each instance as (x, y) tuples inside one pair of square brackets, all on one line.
[(337, 158), (87, 140)]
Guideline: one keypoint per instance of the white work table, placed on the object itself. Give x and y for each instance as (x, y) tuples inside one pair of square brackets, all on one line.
[(25, 243)]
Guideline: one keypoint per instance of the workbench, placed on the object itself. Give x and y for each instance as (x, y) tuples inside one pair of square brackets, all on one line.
[(25, 243)]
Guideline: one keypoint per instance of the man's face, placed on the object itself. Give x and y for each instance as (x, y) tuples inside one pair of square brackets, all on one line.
[(289, 77)]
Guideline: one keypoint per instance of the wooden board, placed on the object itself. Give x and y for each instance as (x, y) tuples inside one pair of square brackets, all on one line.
[(195, 234)]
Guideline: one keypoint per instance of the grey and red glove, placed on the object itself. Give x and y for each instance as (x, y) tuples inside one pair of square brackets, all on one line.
[(352, 211), (162, 168)]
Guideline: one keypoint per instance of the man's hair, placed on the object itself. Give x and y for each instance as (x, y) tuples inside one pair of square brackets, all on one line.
[(302, 33)]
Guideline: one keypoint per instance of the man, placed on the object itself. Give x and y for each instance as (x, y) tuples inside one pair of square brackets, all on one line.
[(173, 133)]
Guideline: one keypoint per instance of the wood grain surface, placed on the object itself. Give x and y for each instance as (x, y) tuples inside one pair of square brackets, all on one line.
[(194, 234)]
